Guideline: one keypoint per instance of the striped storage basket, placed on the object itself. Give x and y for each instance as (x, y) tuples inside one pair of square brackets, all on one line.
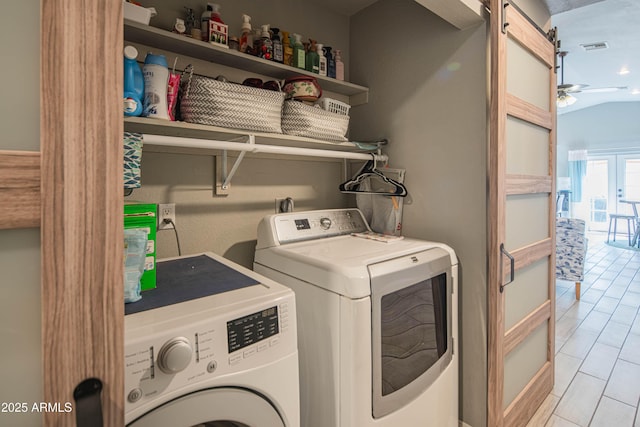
[(211, 102), (300, 119)]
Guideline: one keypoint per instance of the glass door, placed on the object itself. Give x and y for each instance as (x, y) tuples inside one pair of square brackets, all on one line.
[(599, 193), (609, 179), (627, 181)]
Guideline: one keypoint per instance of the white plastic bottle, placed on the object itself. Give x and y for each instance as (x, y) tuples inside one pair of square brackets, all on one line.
[(246, 38), (156, 80), (322, 64), (339, 65), (204, 21)]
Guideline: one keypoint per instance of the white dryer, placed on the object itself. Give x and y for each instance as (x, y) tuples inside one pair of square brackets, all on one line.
[(213, 345), (377, 320)]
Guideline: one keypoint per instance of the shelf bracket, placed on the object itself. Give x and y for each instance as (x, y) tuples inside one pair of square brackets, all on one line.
[(223, 178)]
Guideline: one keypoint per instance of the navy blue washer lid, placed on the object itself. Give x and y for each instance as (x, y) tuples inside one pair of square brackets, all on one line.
[(188, 278)]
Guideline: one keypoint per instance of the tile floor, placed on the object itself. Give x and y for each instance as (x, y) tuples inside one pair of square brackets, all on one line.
[(597, 379)]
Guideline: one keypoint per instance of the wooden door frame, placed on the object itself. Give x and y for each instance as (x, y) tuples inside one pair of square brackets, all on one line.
[(501, 342)]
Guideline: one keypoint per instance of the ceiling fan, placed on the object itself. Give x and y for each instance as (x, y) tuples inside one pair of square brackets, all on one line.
[(565, 89)]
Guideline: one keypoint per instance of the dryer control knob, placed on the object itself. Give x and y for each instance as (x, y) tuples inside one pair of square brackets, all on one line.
[(175, 355), (325, 223)]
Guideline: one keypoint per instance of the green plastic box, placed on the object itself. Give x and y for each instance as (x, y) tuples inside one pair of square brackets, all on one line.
[(143, 216)]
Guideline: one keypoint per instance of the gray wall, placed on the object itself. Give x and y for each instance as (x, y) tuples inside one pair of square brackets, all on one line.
[(20, 354), (428, 96), (612, 126), (227, 225)]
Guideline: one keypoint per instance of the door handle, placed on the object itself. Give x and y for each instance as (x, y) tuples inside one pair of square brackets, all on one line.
[(88, 399), (513, 266)]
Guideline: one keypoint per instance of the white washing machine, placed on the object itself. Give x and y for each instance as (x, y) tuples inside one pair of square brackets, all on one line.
[(377, 320), (213, 345)]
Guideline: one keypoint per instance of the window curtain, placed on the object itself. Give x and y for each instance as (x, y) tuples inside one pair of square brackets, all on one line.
[(577, 172)]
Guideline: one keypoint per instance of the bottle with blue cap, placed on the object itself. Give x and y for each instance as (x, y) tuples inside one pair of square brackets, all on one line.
[(133, 83), (156, 80)]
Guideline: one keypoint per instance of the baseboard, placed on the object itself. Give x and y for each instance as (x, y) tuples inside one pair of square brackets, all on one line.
[(463, 424)]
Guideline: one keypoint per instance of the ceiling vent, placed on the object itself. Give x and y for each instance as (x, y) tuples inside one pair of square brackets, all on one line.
[(595, 46)]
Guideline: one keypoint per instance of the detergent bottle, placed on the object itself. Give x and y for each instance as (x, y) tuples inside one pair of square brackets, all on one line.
[(156, 80), (133, 83)]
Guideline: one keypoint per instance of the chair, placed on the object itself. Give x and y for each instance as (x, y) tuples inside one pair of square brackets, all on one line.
[(571, 250), (613, 220)]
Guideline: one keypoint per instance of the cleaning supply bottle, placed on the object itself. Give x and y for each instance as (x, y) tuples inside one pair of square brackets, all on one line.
[(133, 83), (287, 49), (246, 37), (156, 80), (339, 65), (278, 51), (312, 59), (215, 13), (322, 61), (299, 54), (257, 36), (204, 22), (266, 44), (331, 62)]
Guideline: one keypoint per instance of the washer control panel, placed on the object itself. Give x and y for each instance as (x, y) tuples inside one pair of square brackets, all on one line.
[(293, 227), (215, 346)]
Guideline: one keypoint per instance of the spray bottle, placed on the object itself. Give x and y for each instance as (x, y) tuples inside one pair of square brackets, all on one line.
[(322, 61), (339, 65), (246, 38), (299, 54), (204, 21), (278, 49), (313, 59), (266, 44)]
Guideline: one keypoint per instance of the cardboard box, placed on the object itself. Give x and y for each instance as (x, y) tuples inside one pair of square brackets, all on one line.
[(143, 216)]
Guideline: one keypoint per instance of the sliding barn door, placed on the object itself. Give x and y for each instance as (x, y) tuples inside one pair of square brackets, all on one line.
[(522, 217), (81, 221)]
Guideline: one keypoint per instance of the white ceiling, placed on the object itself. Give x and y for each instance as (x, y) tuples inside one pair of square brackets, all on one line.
[(616, 22)]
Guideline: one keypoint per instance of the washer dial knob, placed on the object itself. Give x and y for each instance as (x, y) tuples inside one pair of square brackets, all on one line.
[(325, 223), (175, 355)]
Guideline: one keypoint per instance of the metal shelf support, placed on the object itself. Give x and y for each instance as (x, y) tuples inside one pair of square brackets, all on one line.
[(249, 146)]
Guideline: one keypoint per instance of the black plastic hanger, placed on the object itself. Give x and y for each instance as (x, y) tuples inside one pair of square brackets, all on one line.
[(369, 171)]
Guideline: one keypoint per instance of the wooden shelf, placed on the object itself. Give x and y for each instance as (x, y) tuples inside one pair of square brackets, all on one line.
[(166, 40), (191, 130)]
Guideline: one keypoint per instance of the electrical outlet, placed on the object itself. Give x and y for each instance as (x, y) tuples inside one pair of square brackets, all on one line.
[(166, 211)]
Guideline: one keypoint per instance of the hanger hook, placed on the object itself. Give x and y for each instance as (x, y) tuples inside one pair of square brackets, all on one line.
[(375, 161)]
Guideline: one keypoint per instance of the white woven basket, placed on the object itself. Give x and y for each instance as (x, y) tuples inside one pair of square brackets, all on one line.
[(300, 119), (211, 102)]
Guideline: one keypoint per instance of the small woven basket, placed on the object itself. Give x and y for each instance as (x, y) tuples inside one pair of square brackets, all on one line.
[(300, 119), (335, 106), (211, 102)]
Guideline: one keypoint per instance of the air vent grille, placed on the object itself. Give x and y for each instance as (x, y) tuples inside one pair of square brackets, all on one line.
[(595, 46)]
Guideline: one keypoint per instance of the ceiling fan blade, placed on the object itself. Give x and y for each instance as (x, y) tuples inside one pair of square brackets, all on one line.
[(569, 88), (603, 89)]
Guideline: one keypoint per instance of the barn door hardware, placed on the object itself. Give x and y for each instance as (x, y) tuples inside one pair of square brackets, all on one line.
[(88, 406), (513, 265)]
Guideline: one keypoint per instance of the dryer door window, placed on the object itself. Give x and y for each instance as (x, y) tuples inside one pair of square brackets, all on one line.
[(216, 407), (411, 327)]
